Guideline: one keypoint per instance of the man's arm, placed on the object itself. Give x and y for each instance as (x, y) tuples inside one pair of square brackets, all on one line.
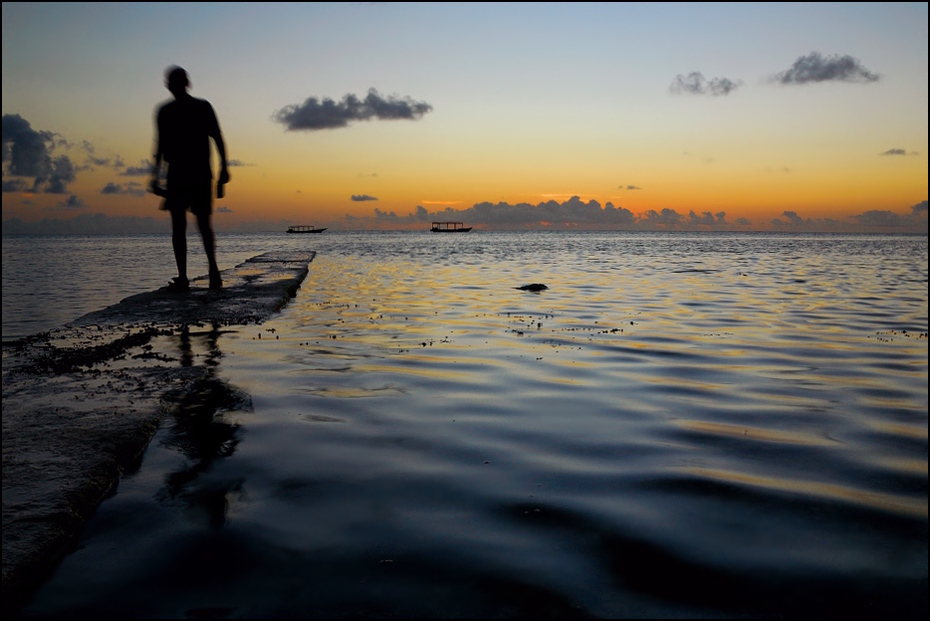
[(156, 167), (217, 136), (221, 149)]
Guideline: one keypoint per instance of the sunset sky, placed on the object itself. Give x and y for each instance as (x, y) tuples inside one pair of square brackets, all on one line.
[(605, 116)]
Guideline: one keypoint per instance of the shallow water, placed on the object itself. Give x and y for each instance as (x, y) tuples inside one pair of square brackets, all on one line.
[(680, 425)]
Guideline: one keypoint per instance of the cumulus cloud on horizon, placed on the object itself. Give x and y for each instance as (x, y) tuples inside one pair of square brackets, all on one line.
[(696, 84), (815, 67), (363, 197), (314, 114), (877, 220)]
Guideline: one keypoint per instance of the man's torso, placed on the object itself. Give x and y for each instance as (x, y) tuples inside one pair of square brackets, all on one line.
[(184, 130)]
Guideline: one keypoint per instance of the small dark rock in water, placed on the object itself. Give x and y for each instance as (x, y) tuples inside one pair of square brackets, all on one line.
[(533, 287)]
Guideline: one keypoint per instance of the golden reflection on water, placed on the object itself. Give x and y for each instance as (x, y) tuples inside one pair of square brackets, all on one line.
[(885, 502), (756, 433), (897, 429)]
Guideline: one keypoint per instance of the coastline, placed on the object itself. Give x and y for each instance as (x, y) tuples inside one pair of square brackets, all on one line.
[(81, 403)]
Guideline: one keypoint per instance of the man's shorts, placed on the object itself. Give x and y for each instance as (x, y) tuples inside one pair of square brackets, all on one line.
[(196, 198)]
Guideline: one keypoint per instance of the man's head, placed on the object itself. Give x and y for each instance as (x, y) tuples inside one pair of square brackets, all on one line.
[(176, 80)]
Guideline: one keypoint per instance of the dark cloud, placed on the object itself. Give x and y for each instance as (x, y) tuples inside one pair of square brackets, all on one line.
[(818, 68), (881, 220), (363, 197), (667, 218), (143, 170), (232, 163), (313, 114), (870, 221), (898, 152), (224, 209), (72, 202), (696, 84), (92, 158), (707, 220), (15, 185), (28, 153), (629, 187), (573, 213), (132, 188)]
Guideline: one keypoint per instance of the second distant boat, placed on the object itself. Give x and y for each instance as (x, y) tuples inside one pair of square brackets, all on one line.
[(449, 227), (304, 229)]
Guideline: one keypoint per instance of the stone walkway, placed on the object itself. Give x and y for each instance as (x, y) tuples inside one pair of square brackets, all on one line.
[(81, 403)]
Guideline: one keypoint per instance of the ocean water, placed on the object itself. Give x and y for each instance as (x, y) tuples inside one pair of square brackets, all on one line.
[(679, 425)]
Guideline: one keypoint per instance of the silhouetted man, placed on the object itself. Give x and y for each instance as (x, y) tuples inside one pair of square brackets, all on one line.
[(184, 128)]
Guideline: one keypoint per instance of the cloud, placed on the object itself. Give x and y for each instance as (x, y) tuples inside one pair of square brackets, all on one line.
[(875, 220), (232, 163), (132, 188), (629, 187), (898, 152), (667, 218), (313, 114), (143, 170), (92, 158), (880, 220), (695, 84), (358, 198), (571, 214), (707, 220), (817, 68), (72, 202), (28, 153), (224, 209), (15, 185)]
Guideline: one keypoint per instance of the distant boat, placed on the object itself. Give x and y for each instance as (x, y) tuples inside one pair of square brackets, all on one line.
[(449, 227), (304, 229)]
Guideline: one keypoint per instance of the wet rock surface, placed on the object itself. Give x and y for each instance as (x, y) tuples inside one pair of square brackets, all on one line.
[(81, 403)]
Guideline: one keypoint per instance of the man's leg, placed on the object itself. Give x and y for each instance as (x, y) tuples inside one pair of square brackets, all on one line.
[(209, 246), (179, 241)]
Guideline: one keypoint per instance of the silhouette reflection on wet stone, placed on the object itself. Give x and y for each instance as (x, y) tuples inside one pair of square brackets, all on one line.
[(200, 431)]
